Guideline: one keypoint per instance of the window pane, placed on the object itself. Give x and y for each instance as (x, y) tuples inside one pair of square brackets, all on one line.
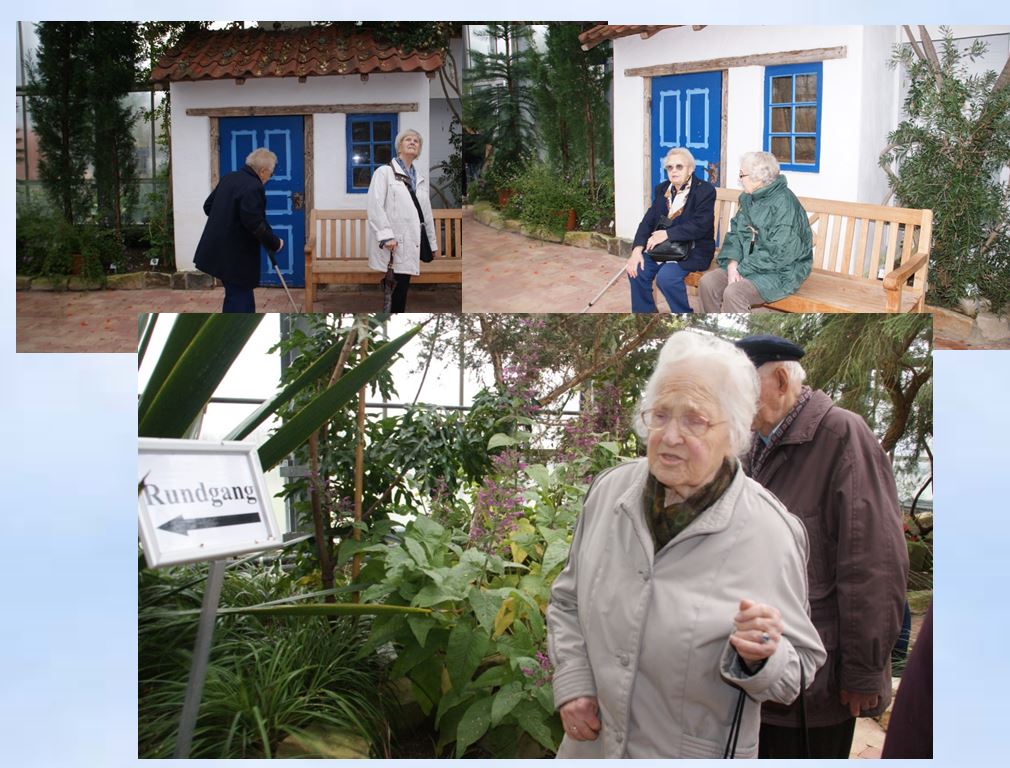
[(359, 131), (782, 119), (382, 131), (382, 153), (361, 177), (806, 119), (361, 154), (805, 148), (782, 89), (780, 148), (806, 87)]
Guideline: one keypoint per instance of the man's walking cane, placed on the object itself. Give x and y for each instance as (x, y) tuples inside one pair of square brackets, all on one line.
[(606, 288), (294, 307)]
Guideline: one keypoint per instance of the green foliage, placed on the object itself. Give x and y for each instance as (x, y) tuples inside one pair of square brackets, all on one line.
[(478, 665), (267, 679), (35, 239), (58, 101), (542, 198), (498, 104), (451, 169), (950, 153), (572, 111), (413, 35)]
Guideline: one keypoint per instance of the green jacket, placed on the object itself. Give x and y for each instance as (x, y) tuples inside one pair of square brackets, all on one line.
[(783, 252)]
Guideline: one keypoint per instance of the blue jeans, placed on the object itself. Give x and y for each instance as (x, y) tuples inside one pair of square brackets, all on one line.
[(670, 279), (238, 299)]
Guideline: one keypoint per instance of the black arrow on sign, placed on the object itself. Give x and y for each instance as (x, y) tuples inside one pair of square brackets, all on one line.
[(183, 525)]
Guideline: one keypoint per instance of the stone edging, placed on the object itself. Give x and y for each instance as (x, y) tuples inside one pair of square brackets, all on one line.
[(129, 281), (486, 214)]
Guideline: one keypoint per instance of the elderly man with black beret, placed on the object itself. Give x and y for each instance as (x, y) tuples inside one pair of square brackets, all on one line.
[(824, 463)]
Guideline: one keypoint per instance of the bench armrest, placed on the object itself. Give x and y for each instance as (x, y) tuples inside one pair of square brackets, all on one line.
[(894, 279), (310, 245)]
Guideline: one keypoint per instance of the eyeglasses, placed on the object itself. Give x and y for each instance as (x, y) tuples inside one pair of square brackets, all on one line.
[(688, 423), (677, 167), (744, 175)]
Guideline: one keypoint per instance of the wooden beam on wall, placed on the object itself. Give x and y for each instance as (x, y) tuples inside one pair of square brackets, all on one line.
[(753, 60), (300, 109)]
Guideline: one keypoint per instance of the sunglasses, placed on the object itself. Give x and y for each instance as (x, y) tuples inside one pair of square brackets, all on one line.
[(677, 167)]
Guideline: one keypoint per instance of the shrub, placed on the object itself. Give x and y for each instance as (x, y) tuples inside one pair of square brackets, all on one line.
[(34, 237), (542, 198)]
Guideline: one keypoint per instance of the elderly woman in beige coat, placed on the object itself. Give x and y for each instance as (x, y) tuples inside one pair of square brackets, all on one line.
[(400, 227), (686, 582)]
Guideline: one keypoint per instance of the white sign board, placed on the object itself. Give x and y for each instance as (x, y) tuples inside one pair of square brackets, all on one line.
[(202, 501)]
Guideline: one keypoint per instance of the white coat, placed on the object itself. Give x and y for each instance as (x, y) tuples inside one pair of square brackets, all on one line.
[(391, 214), (647, 633)]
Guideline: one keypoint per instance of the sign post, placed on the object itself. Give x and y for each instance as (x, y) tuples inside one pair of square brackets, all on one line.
[(202, 501)]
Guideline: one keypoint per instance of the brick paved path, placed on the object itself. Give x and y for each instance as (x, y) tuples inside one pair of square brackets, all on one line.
[(509, 272), (106, 321)]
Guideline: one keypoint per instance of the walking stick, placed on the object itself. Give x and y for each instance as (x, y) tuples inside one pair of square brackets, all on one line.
[(294, 307), (606, 288)]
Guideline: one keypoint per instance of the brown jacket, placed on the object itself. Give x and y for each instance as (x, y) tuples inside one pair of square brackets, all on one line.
[(829, 470)]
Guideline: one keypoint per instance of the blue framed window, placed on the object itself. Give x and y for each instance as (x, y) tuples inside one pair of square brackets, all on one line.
[(370, 141), (793, 99)]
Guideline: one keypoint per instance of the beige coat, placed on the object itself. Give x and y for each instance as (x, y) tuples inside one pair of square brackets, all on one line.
[(647, 634), (391, 214)]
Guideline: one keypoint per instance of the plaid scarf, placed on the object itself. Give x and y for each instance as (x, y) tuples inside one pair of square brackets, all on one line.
[(759, 451), (665, 522)]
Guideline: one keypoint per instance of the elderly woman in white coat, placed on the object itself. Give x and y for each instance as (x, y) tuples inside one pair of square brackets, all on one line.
[(400, 225), (686, 582)]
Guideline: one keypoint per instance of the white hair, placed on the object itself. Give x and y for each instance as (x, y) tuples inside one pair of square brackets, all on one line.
[(404, 134), (738, 381), (262, 159), (763, 167), (682, 153)]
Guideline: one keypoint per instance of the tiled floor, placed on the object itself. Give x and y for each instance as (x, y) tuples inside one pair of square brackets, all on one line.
[(509, 272), (106, 321)]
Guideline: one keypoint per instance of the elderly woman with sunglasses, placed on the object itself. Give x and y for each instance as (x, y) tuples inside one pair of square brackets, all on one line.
[(768, 251), (689, 202), (686, 581)]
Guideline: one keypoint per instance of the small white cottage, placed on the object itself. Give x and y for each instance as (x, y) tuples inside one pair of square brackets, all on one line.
[(328, 104), (821, 98)]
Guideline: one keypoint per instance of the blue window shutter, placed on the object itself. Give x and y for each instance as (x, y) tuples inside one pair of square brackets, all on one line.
[(373, 146), (788, 101)]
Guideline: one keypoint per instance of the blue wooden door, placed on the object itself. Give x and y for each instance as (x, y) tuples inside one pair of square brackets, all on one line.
[(285, 191), (687, 112)]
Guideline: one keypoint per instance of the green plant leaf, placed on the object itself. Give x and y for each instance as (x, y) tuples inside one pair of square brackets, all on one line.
[(325, 609), (505, 701), (145, 329), (420, 626), (531, 718), (555, 554), (539, 474), (492, 678), (474, 724), (544, 694), (412, 655), (195, 374), (300, 426), (485, 608), (322, 365), (610, 445), (464, 652), (499, 440)]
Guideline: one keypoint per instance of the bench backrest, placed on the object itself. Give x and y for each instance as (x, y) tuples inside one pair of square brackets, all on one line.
[(340, 234), (857, 239)]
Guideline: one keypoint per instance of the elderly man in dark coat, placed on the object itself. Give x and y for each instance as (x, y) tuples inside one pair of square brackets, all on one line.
[(237, 226), (825, 465)]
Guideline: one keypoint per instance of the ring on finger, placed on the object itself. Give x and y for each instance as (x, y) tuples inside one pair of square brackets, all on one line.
[(765, 638)]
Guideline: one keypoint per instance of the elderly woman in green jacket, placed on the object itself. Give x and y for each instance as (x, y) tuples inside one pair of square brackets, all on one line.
[(767, 253)]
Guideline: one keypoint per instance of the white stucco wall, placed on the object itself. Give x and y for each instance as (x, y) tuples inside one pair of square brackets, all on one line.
[(191, 171), (858, 97)]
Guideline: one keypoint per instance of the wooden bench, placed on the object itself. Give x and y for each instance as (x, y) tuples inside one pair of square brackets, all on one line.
[(867, 258), (335, 251)]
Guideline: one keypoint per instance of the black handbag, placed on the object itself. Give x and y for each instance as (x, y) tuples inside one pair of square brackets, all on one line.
[(670, 250)]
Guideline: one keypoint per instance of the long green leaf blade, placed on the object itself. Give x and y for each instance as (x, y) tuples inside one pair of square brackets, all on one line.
[(184, 330), (326, 609), (297, 430), (188, 386), (322, 365), (145, 328)]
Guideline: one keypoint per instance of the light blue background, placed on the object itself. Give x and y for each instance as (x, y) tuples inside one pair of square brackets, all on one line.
[(68, 642)]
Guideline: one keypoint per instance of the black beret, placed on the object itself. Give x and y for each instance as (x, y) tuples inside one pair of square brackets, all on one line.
[(766, 349)]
